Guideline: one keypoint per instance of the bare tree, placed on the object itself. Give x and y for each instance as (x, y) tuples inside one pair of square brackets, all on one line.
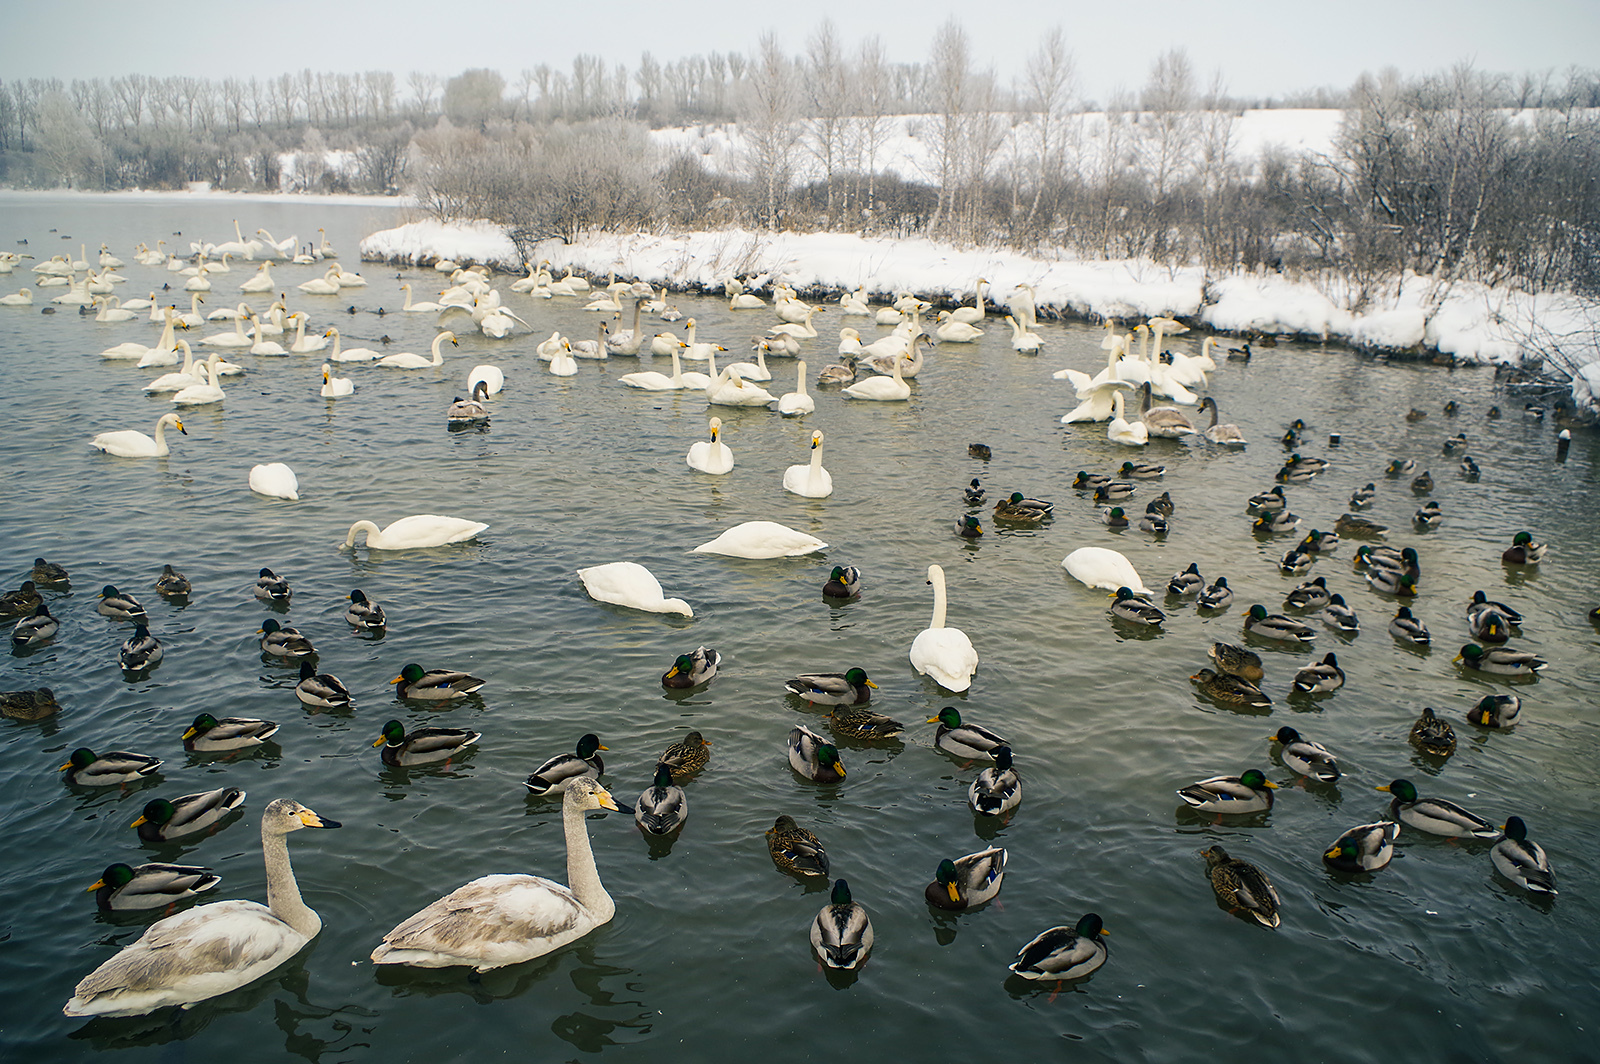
[(1048, 86), (871, 126), (424, 92), (951, 71), (827, 98), (769, 122)]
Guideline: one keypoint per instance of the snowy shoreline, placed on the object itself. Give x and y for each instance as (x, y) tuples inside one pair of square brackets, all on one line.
[(212, 195)]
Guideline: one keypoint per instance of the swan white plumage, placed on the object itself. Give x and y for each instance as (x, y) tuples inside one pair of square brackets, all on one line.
[(493, 380), (260, 281), (165, 344), (1021, 339), (810, 480), (1102, 567), (303, 344), (882, 389), (263, 346), (346, 279), (730, 390), (652, 381), (562, 364), (326, 285), (129, 443), (800, 330), (411, 360), (275, 479), (426, 307), (975, 313), (944, 653), (202, 394), (236, 338), (711, 456), (418, 530), (111, 310), (547, 348), (632, 585), (335, 387), (1121, 430), (179, 379), (23, 297), (956, 332), (754, 371), (797, 402), (762, 539)]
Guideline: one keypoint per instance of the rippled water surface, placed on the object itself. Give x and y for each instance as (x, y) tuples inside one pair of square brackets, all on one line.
[(1434, 957)]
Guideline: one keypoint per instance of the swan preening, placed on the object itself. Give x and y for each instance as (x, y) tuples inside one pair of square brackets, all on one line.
[(418, 530), (630, 584), (762, 539)]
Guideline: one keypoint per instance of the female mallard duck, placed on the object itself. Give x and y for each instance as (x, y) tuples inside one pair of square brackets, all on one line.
[(998, 788), (1218, 596), (435, 684), (1242, 885), (980, 450), (686, 756), (424, 746), (1295, 561), (1422, 483), (1233, 690), (1089, 481), (1063, 952), (1188, 582), (1249, 792), (1140, 471), (967, 882), (208, 734), (22, 601), (1365, 848), (1362, 498), (796, 850), (1400, 583), (1428, 516), (1524, 551), (1161, 504), (844, 582), (1311, 595), (1408, 629), (1113, 491), (832, 688), (662, 807), (85, 768), (1237, 661), (118, 605), (270, 587), (283, 641), (36, 629), (49, 574), (1400, 467), (692, 669), (1500, 661), (1276, 521), (139, 651), (28, 705), (1129, 607), (364, 614), (1020, 509), (841, 934), (164, 820), (1302, 756), (858, 722), (1271, 501), (974, 493), (1495, 711), (172, 584), (122, 888), (1433, 735), (1435, 815), (813, 756), (320, 689), (1340, 617), (1324, 675), (1523, 861), (556, 774), (963, 739), (1154, 521), (1482, 603), (1358, 527), (1114, 517), (1260, 623), (967, 527)]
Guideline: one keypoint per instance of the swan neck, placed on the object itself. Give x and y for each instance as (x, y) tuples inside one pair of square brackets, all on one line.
[(677, 367), (582, 876), (1213, 407), (335, 356), (361, 526), (438, 344), (800, 378), (283, 893), (937, 578)]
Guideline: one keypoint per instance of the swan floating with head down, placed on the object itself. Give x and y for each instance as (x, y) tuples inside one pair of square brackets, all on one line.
[(630, 584), (418, 530)]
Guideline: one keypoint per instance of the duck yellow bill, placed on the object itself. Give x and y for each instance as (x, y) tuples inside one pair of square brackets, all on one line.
[(397, 679), (64, 768), (97, 885), (190, 733), (1384, 788), (933, 720), (1270, 785), (872, 685), (954, 896), (672, 672), (141, 820), (603, 746), (381, 740), (1103, 931)]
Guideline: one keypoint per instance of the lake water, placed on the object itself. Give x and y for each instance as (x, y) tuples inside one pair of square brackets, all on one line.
[(1433, 958)]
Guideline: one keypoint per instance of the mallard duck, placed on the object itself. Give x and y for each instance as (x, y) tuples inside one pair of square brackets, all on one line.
[(364, 614), (270, 587), (1401, 467), (1423, 483), (1489, 626), (283, 641), (1324, 675), (1300, 461), (1113, 491), (1141, 471), (1481, 603), (36, 629), (320, 689), (1126, 606), (1451, 409), (1154, 522), (1524, 551), (1523, 861), (967, 526), (1340, 617), (208, 734), (1358, 527), (1319, 542), (1365, 848), (1408, 629), (998, 788), (1291, 437), (423, 746), (1380, 557), (843, 582), (139, 651), (1495, 711), (435, 684), (1435, 815), (1362, 498), (1089, 481), (1311, 595), (118, 605), (967, 882), (172, 584), (1433, 735), (164, 820), (1020, 509), (1501, 661), (85, 768), (1188, 582), (692, 670), (28, 705), (1237, 661), (974, 493), (841, 934), (1428, 515), (123, 888), (1249, 792), (1493, 413), (1161, 504), (813, 756), (1469, 468), (1296, 474), (686, 756), (662, 807), (1114, 517), (1216, 597), (1268, 502), (1401, 583), (832, 688), (20, 602), (1276, 521), (1234, 690), (858, 722), (553, 776), (1302, 756), (796, 850), (49, 574), (964, 739), (1063, 952), (1259, 622), (1241, 885), (1455, 444), (980, 450)]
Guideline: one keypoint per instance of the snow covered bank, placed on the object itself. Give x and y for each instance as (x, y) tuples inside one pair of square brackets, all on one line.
[(201, 191)]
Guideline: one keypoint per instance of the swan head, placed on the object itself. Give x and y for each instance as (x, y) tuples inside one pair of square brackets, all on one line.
[(816, 439), (586, 792), (716, 428), (284, 815)]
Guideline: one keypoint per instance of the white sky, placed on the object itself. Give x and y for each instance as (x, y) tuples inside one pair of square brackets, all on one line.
[(1264, 47)]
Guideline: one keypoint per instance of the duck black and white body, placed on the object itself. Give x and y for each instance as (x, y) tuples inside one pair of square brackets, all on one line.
[(968, 527), (321, 689), (796, 850), (1435, 815), (1304, 757), (1408, 629), (36, 629), (270, 587), (208, 734), (421, 746), (1248, 792), (172, 584), (1089, 481), (1276, 521), (1295, 560), (140, 651), (119, 605), (437, 685), (1129, 607), (85, 768), (1188, 582), (1522, 860), (1276, 626), (997, 789), (692, 669), (1311, 595), (973, 493), (125, 888), (813, 756), (1433, 735), (1020, 509), (558, 772), (1365, 848), (1524, 551), (1340, 617), (1063, 952), (1481, 603), (1218, 596), (364, 614), (1324, 675), (1114, 516), (1361, 498), (1397, 582), (1495, 711), (1242, 885), (165, 819), (1113, 491), (1140, 471), (832, 688), (1500, 661), (1154, 521), (1270, 501), (1428, 516), (964, 739), (662, 807), (967, 882), (1401, 467), (283, 641), (844, 582), (841, 934)]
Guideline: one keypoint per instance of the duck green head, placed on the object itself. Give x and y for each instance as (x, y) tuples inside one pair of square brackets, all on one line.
[(1016, 497), (1409, 556), (841, 893), (588, 745), (857, 677), (1298, 425), (1127, 468), (1083, 475), (1091, 926), (203, 723), (837, 574), (1404, 791), (1256, 780), (115, 876), (269, 626), (156, 811), (394, 733), (1493, 628), (828, 757), (1345, 848), (110, 590), (1258, 612), (82, 757), (1285, 735), (358, 597), (663, 775), (1124, 593), (1515, 828), (410, 674), (685, 663), (1472, 653), (1521, 539), (1116, 513), (949, 716), (945, 876), (308, 671), (968, 521)]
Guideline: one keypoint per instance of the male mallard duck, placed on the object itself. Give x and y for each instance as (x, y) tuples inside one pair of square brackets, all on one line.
[(1469, 468), (320, 689), (998, 788), (270, 587), (1248, 792), (1276, 521), (1501, 661), (1270, 501), (1423, 483), (964, 739), (1141, 471), (1064, 952), (967, 526), (1433, 735), (1401, 583), (141, 650), (1300, 461), (692, 670), (662, 807), (1451, 409), (1340, 617), (422, 746), (841, 934), (1188, 582), (813, 756), (283, 641), (164, 820), (686, 756), (974, 493), (1493, 413), (1020, 509), (1089, 481), (121, 888), (1242, 885), (1355, 526), (1237, 661), (1428, 515), (435, 684), (1161, 504), (1365, 848), (1113, 491), (844, 582), (1310, 595), (1296, 474), (1362, 498), (208, 734), (1435, 815), (832, 688), (1456, 444), (1114, 517), (967, 882), (1369, 556), (365, 614), (1523, 551), (1523, 861), (1489, 626), (1481, 603), (1324, 675), (1154, 522), (1309, 759), (796, 850), (1260, 623), (1291, 437), (858, 722), (1129, 607), (172, 584), (23, 600), (1400, 467), (1234, 690), (1319, 542), (36, 629), (1495, 711), (553, 776), (28, 705), (85, 768), (1216, 597), (49, 574), (116, 604), (1408, 629)]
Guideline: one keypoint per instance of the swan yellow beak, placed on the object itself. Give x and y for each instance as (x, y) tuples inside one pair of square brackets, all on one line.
[(182, 429), (141, 820), (312, 820), (604, 797)]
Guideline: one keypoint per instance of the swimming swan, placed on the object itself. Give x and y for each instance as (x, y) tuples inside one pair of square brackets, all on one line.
[(418, 530), (797, 402), (130, 444), (630, 584), (946, 654), (711, 456), (1102, 567), (410, 360), (275, 479), (762, 539), (811, 480)]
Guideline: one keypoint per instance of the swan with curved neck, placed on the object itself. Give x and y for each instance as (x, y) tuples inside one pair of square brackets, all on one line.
[(418, 530), (131, 444)]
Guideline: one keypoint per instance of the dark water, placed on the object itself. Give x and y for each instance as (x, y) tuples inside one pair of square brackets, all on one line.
[(1433, 958)]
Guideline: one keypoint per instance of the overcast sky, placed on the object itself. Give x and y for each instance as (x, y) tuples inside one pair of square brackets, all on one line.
[(1263, 47)]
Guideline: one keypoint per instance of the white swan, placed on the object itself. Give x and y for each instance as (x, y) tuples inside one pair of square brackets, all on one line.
[(1100, 567), (418, 530), (882, 389), (730, 390), (262, 345), (326, 285), (202, 394), (179, 379), (335, 387), (797, 402), (810, 480), (236, 338), (275, 479), (139, 352), (427, 307), (1021, 339), (260, 281), (801, 330), (524, 284), (346, 279), (1121, 430), (547, 348), (355, 354), (628, 341), (711, 456), (211, 949), (111, 310), (956, 332), (630, 584), (762, 539), (696, 350), (508, 919), (562, 364), (23, 297), (128, 443), (410, 360), (192, 318), (754, 371), (302, 344), (975, 313), (946, 654), (652, 381), (493, 379)]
